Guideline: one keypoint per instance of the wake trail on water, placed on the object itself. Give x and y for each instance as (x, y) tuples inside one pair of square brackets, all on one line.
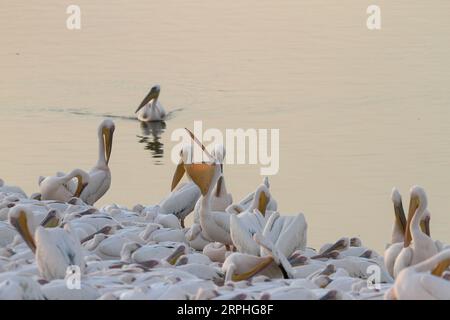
[(81, 112)]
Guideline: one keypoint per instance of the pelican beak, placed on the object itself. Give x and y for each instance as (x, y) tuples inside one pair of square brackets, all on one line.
[(413, 205), (179, 173), (20, 223), (441, 267), (80, 187), (108, 140), (400, 215), (172, 259), (219, 186), (201, 174), (338, 246), (153, 94), (262, 203), (51, 220), (425, 226), (248, 274)]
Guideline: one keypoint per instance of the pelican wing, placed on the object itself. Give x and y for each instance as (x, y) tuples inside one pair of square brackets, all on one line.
[(181, 201), (435, 286), (222, 219), (292, 235), (99, 183), (242, 235)]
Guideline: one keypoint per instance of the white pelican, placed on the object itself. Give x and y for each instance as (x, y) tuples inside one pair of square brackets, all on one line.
[(398, 231), (215, 224), (150, 108), (56, 249), (100, 174), (245, 224), (423, 281), (55, 188), (288, 233), (417, 245)]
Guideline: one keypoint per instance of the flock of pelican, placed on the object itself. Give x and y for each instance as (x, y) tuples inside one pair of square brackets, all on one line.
[(232, 250)]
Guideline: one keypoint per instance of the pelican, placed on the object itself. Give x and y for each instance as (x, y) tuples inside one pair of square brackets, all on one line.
[(100, 174), (398, 231), (215, 224), (288, 233), (55, 248), (423, 281), (55, 188), (245, 224), (150, 108), (417, 246)]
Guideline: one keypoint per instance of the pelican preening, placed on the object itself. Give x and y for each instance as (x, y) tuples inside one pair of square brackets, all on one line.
[(55, 248), (56, 188), (424, 280), (150, 108)]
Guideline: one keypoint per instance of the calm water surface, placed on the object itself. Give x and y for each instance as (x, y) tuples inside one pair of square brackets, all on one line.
[(358, 111)]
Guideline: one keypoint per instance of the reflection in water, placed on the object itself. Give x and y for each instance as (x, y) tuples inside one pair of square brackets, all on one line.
[(151, 136)]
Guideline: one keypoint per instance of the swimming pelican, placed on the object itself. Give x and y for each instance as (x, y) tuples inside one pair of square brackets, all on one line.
[(55, 188), (423, 281), (100, 174), (150, 108), (417, 246)]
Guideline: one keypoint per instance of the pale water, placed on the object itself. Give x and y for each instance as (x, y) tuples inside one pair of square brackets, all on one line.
[(359, 111)]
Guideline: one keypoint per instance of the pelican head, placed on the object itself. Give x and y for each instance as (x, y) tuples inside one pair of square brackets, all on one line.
[(178, 252), (153, 94), (261, 199), (106, 132), (400, 218), (20, 217), (204, 174), (52, 219), (418, 203)]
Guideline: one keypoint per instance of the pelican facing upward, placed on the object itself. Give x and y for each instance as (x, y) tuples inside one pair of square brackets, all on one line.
[(150, 108), (215, 224)]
